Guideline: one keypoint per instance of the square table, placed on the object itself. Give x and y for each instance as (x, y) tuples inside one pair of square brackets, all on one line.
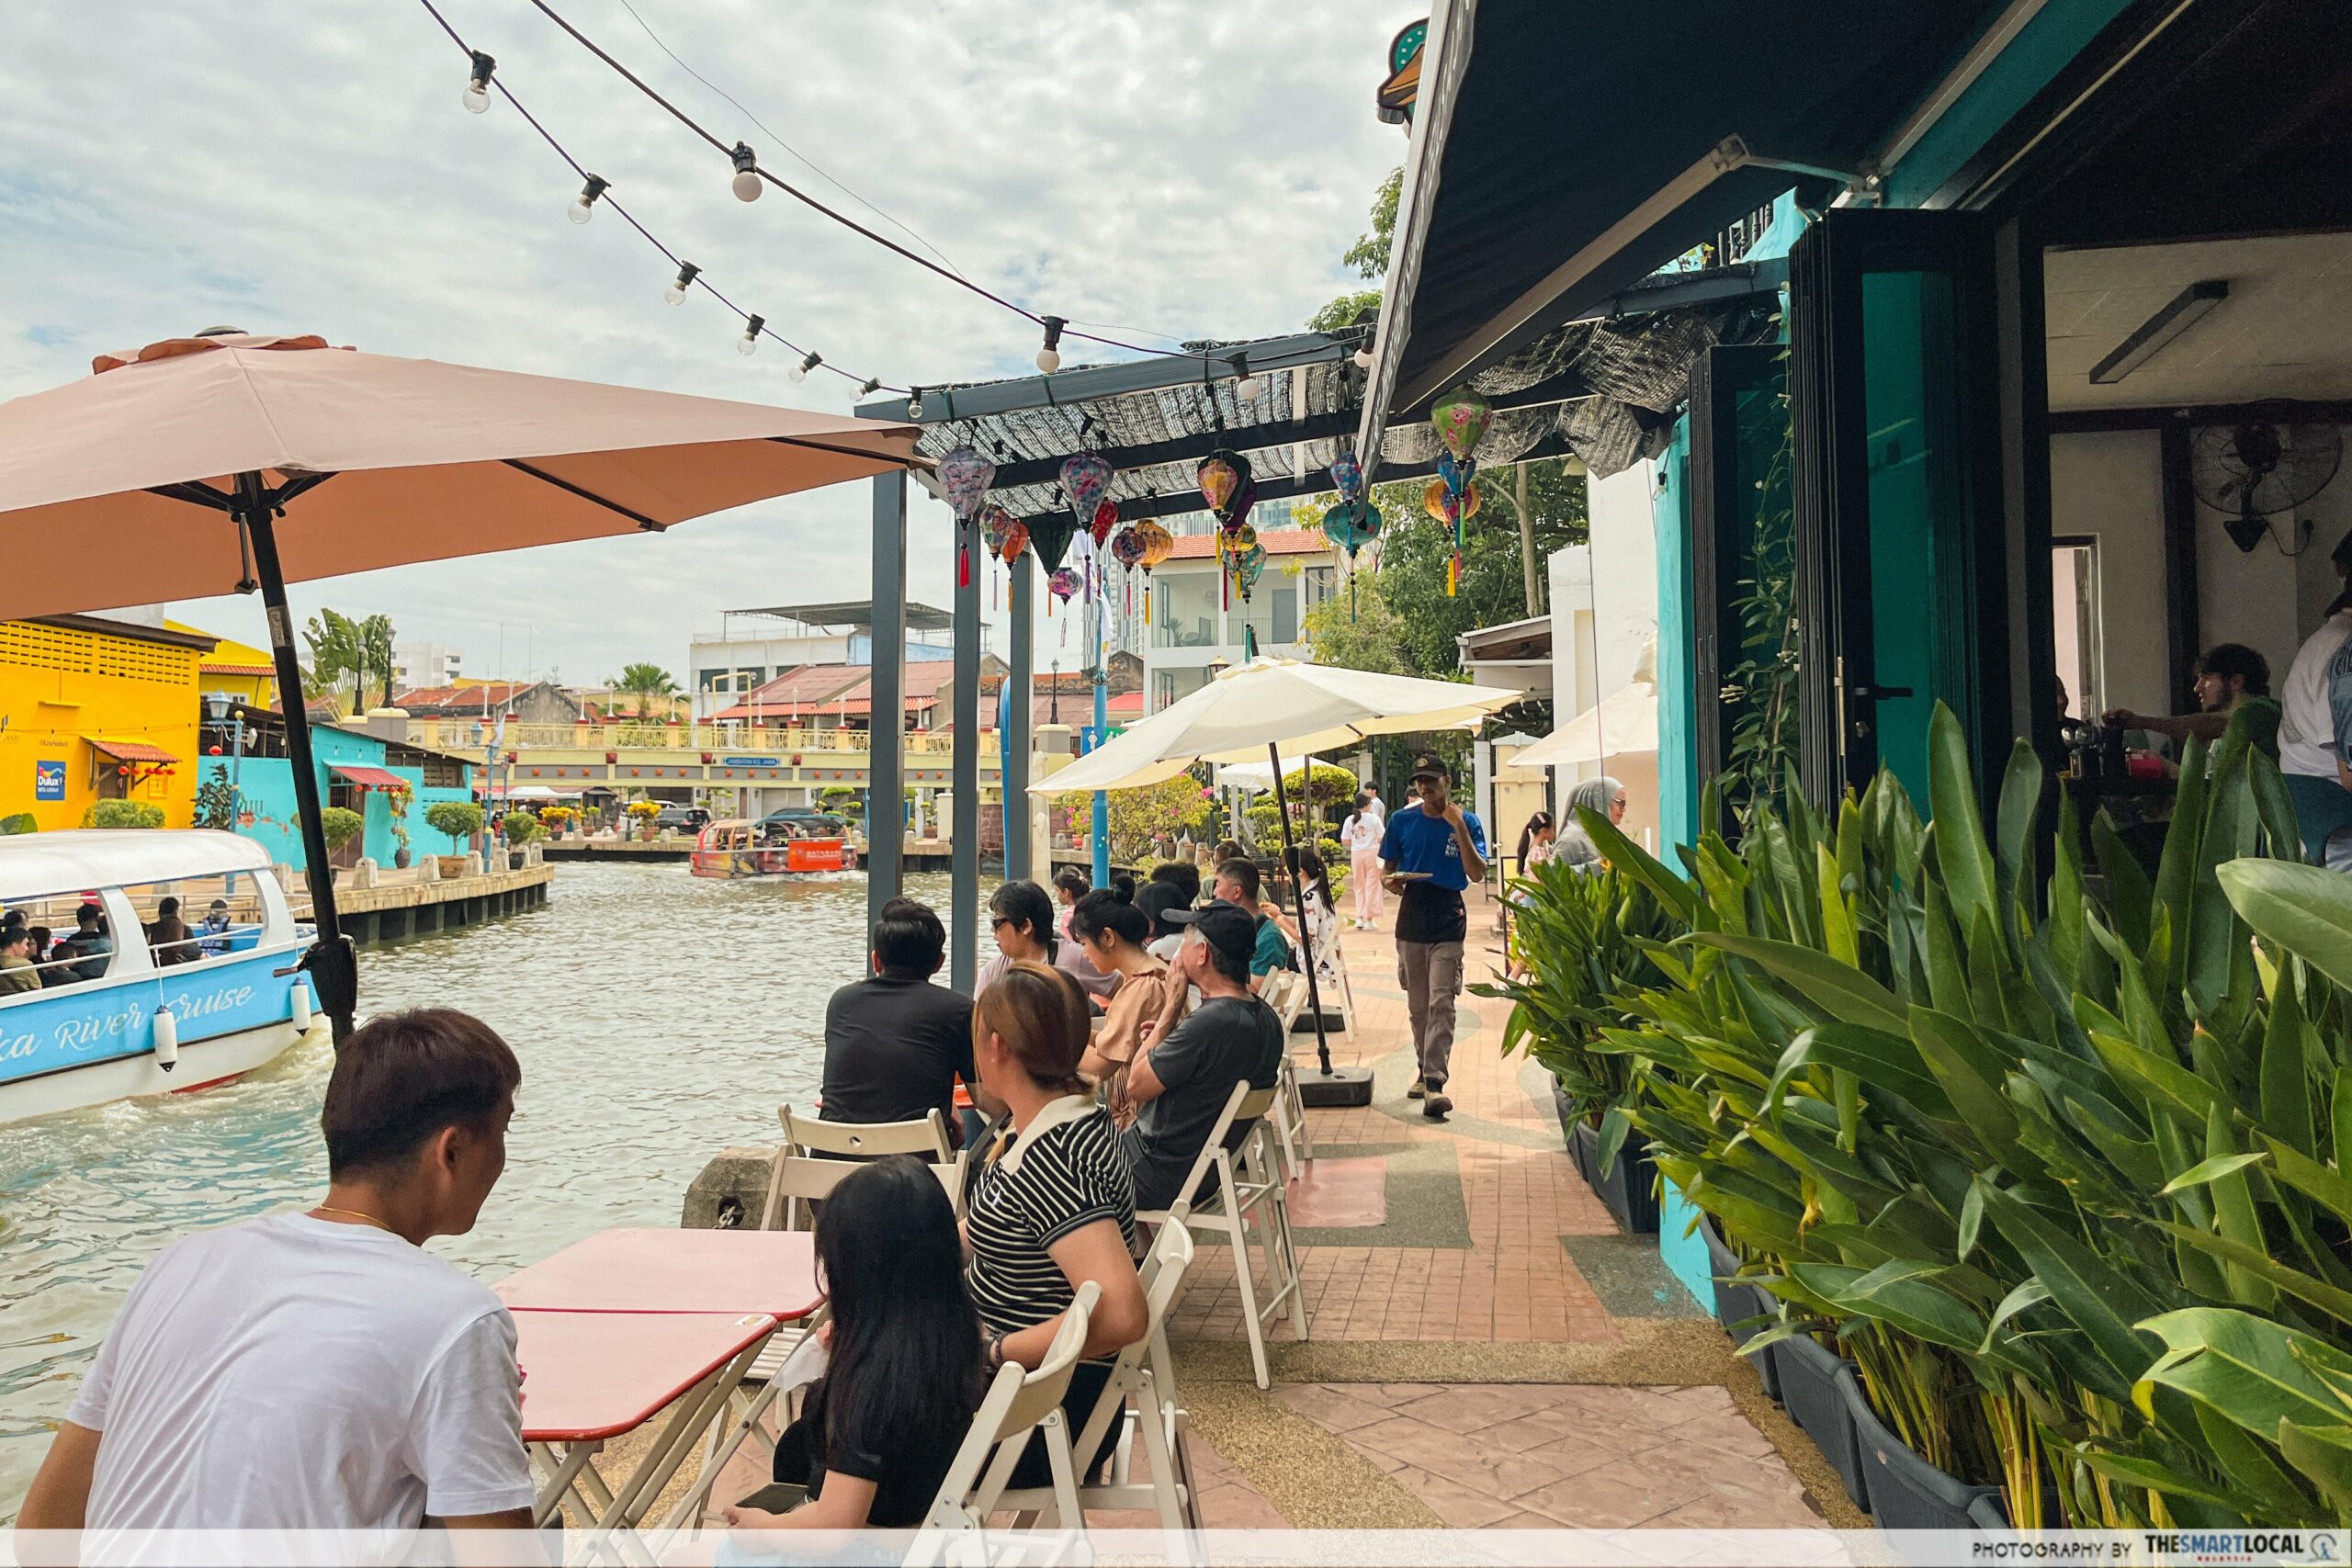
[(595, 1375), (656, 1271)]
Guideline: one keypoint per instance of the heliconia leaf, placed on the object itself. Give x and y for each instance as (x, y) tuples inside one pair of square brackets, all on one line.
[(2020, 804), (2239, 1256), (2340, 1118), (1677, 895), (1838, 989), (2255, 1371), (2286, 1076), (2307, 909), (1961, 852), (1889, 1062), (2324, 1455), (2094, 1298), (2167, 1479), (2207, 1170)]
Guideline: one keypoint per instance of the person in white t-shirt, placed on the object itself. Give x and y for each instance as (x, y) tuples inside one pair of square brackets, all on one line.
[(2315, 722), (320, 1370)]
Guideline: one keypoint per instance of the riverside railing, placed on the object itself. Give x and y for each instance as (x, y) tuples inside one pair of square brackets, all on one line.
[(721, 739)]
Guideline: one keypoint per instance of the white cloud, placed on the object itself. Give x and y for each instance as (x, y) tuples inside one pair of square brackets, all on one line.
[(1189, 168)]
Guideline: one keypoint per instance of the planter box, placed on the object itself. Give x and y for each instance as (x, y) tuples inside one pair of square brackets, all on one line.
[(1583, 1147), (1630, 1187), (456, 866), (1735, 1302), (1565, 1110), (1988, 1513), (1812, 1381), (1905, 1491)]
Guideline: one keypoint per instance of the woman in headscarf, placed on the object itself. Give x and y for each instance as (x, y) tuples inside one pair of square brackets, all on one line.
[(1604, 795)]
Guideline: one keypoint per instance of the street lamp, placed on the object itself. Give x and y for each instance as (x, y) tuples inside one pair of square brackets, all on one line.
[(220, 706)]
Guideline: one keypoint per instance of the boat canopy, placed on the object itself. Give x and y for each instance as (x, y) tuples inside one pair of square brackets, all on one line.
[(35, 866)]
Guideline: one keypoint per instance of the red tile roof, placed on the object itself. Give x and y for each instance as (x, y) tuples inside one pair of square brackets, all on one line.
[(1277, 541)]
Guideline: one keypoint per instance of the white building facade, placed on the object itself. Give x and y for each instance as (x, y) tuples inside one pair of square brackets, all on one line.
[(1196, 624), (416, 665)]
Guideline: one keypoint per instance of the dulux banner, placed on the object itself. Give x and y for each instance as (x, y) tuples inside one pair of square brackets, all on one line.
[(96, 1022)]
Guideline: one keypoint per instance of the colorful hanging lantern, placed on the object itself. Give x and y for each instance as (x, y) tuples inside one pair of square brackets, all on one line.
[(1460, 418), (995, 522), (1064, 582), (1347, 476), (1152, 545), (1016, 539), (1441, 503), (1126, 546), (1106, 518), (1086, 481), (964, 475), (1228, 486), (1350, 526), (1248, 566)]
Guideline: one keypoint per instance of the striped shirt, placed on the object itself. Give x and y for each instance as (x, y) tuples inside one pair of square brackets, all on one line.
[(1063, 1174)]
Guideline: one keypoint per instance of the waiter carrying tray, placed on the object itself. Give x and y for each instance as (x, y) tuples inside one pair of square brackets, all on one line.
[(1430, 851)]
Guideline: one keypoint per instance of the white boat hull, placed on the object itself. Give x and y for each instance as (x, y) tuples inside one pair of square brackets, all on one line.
[(201, 1063)]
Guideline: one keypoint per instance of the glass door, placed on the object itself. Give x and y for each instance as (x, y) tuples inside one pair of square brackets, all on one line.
[(1901, 596)]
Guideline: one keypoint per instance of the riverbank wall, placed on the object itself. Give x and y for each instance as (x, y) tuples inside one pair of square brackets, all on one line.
[(395, 912)]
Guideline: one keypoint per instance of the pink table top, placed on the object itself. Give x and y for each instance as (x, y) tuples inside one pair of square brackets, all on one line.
[(598, 1374), (673, 1271)]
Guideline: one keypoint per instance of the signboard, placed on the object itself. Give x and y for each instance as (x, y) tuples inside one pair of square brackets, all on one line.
[(78, 1025), (751, 762), (49, 781)]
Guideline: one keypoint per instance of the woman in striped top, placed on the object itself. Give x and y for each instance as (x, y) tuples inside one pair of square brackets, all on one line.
[(1055, 1208)]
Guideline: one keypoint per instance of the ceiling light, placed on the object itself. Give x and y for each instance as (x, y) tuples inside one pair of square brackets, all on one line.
[(2184, 311)]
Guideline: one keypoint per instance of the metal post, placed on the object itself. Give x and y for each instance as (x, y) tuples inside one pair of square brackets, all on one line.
[(1101, 812), (333, 968), (1013, 736), (1298, 895), (964, 834), (887, 728)]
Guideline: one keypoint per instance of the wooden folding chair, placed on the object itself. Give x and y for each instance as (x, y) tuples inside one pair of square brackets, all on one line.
[(1143, 1372)]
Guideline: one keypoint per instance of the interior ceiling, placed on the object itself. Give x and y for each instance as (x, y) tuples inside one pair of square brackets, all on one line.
[(2284, 332)]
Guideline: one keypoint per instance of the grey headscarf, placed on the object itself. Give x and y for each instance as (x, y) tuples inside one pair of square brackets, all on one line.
[(1577, 847)]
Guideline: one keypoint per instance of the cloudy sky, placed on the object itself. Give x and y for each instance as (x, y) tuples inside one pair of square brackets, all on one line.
[(1184, 168)]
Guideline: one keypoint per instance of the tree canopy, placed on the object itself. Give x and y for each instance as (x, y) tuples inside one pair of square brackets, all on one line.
[(646, 682), (346, 652)]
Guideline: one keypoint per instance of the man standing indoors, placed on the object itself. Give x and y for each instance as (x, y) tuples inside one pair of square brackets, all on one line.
[(1428, 854)]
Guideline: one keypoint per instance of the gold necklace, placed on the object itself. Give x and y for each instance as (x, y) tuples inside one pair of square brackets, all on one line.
[(353, 1213)]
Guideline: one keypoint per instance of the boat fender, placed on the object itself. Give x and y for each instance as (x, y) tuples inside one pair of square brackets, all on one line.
[(167, 1040), (301, 1005)]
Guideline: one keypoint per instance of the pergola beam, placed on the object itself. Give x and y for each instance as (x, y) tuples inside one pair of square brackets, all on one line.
[(1158, 373)]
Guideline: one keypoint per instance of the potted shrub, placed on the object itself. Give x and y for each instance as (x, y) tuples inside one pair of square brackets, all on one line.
[(459, 820), (519, 828), (342, 828), (17, 822), (642, 814), (1738, 1303), (1906, 1491), (397, 802)]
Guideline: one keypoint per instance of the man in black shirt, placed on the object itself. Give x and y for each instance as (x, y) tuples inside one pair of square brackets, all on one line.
[(1182, 1081), (895, 1043)]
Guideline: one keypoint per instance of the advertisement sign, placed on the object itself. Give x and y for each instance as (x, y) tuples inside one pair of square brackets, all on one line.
[(750, 763), (75, 1026), (49, 779)]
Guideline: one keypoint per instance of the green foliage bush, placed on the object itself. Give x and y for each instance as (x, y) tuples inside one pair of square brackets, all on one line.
[(2058, 1155), (341, 824), (520, 827), (21, 822), (459, 819), (122, 814)]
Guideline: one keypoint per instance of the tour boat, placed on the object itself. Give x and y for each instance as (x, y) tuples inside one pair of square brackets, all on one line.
[(734, 849), (147, 1024)]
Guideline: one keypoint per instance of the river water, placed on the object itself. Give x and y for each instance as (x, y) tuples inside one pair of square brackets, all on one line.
[(659, 1016)]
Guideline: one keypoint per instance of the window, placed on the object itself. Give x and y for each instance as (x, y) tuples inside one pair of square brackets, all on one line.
[(1174, 685), (1186, 608)]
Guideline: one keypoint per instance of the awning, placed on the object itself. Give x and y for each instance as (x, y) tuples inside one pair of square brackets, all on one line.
[(1624, 724), (369, 778), (129, 750), (1562, 153)]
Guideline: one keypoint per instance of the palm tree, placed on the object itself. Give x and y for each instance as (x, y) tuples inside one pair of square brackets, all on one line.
[(646, 682)]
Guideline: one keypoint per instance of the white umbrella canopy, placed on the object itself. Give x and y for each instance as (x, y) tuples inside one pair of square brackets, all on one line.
[(1623, 723), (1259, 776), (1301, 709), (425, 461)]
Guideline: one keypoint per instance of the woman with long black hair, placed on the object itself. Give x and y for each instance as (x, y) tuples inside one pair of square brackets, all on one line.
[(880, 1428)]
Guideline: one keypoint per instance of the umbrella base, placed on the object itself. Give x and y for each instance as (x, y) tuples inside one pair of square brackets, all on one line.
[(1343, 1086)]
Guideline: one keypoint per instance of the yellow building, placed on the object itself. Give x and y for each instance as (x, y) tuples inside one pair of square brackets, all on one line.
[(94, 709), (237, 669)]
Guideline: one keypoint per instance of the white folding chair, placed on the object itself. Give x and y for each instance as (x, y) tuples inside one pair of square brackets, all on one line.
[(1017, 1403), (1142, 1370), (1250, 1189), (1296, 1146), (807, 1140), (803, 1367)]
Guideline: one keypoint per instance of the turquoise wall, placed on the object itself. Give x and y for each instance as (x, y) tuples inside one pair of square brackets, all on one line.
[(265, 790)]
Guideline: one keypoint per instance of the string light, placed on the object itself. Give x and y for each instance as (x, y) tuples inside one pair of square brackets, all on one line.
[(747, 183), (871, 386), (1245, 386), (676, 293), (749, 342), (476, 97), (800, 371), (583, 206), (1049, 358), (914, 402), (1363, 359)]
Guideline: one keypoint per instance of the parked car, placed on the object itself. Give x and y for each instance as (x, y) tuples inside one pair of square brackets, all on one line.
[(681, 819)]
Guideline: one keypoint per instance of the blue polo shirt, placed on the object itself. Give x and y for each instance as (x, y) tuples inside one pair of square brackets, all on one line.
[(1415, 841)]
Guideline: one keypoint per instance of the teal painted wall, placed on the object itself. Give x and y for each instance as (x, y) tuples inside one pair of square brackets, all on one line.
[(266, 789)]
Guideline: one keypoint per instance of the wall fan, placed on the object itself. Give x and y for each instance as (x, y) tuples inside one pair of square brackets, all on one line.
[(2270, 463)]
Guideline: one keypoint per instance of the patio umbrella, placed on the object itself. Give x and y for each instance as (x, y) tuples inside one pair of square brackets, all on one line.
[(230, 462), (1274, 707), (1623, 723)]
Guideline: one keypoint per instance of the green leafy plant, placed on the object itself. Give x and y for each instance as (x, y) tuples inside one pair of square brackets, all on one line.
[(216, 801), (519, 828), (341, 824), (122, 814), (459, 819), (19, 822), (1142, 819)]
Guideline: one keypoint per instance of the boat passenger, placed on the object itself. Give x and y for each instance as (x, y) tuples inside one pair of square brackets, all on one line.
[(1186, 1072), (89, 944), (1110, 930), (16, 971), (879, 1430), (41, 955), (167, 936), (1053, 1209), (895, 1043), (320, 1370), (215, 929)]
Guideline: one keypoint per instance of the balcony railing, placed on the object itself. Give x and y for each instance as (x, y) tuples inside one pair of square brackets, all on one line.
[(722, 739)]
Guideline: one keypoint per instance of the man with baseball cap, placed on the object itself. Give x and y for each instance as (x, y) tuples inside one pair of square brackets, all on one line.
[(1184, 1076), (1428, 854)]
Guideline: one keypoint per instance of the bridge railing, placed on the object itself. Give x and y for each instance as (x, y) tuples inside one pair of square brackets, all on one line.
[(721, 739)]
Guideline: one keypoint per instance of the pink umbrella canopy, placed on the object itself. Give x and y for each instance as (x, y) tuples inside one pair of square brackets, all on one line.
[(427, 461), (230, 461)]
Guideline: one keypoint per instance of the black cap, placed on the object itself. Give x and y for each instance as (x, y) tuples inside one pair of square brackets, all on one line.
[(1225, 927), (1430, 768)]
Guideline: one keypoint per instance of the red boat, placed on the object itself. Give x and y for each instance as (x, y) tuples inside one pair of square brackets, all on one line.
[(741, 848)]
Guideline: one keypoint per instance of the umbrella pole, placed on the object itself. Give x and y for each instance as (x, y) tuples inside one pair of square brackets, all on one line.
[(1298, 893), (331, 967)]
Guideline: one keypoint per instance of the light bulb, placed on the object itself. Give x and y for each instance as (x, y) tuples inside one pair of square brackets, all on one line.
[(583, 206), (749, 342), (1363, 359), (476, 97), (1245, 389), (747, 181), (579, 211), (676, 293), (914, 402), (800, 372), (1049, 358), (872, 384), (1049, 361)]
